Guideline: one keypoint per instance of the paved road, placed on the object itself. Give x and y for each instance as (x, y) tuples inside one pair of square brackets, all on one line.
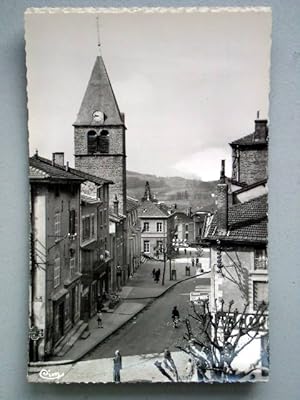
[(152, 331)]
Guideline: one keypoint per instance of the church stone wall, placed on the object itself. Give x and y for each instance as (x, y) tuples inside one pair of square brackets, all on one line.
[(116, 139), (109, 167)]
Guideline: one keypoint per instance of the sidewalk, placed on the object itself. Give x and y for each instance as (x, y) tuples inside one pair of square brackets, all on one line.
[(138, 368), (135, 296)]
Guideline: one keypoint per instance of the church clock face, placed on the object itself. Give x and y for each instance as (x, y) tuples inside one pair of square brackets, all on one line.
[(98, 116)]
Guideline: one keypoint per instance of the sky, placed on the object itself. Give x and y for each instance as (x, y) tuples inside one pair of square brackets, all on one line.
[(188, 83)]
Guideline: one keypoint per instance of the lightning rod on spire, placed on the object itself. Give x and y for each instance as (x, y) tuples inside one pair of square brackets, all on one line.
[(98, 36)]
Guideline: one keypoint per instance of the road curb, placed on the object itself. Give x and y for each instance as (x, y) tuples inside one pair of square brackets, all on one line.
[(153, 298), (166, 290)]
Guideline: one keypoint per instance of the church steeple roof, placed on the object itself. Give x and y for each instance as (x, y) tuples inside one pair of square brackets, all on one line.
[(99, 96)]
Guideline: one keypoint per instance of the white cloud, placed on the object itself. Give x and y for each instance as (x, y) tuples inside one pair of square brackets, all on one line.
[(204, 164)]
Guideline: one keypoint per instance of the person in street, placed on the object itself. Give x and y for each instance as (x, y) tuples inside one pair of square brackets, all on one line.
[(117, 360), (157, 275), (99, 319), (153, 273), (193, 262), (158, 272), (175, 316)]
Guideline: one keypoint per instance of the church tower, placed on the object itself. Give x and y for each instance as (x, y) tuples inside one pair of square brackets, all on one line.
[(99, 135)]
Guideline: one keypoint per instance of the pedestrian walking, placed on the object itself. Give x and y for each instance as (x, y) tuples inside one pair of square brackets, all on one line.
[(99, 319), (193, 262), (117, 360), (157, 275), (185, 251), (197, 261), (153, 273), (175, 316)]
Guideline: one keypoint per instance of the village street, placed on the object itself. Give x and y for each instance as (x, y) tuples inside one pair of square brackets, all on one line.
[(152, 330)]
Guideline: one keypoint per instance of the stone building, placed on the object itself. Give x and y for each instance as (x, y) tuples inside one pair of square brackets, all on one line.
[(237, 231), (250, 155), (100, 149), (95, 258), (155, 226), (55, 269), (117, 234), (99, 134), (133, 235), (237, 234)]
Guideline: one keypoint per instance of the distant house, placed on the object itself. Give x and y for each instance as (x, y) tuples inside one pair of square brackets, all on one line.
[(155, 227)]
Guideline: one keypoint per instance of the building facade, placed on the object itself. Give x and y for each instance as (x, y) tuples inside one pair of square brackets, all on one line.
[(155, 226), (250, 155), (237, 234), (55, 267)]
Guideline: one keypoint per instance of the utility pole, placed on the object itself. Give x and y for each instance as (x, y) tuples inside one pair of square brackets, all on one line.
[(164, 271)]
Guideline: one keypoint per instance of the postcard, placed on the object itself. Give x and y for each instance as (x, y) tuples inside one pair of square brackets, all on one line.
[(148, 175)]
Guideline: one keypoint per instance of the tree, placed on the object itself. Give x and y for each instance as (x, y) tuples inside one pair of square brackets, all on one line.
[(213, 340)]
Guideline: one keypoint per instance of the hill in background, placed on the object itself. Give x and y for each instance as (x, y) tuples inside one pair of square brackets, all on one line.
[(184, 192)]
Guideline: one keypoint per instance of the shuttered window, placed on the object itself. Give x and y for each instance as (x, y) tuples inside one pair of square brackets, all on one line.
[(260, 259), (72, 222), (57, 225), (260, 293), (57, 271)]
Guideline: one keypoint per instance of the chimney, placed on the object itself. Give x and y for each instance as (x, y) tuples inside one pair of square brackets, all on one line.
[(58, 159), (261, 130), (222, 203), (67, 166), (116, 205)]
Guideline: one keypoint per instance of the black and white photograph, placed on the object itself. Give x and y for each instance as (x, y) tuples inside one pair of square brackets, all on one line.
[(148, 182)]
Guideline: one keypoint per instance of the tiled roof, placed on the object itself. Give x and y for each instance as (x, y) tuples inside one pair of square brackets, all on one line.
[(36, 173), (49, 171), (247, 222), (99, 96), (88, 177), (88, 199), (115, 217), (132, 203), (149, 209), (252, 186), (248, 140), (48, 165)]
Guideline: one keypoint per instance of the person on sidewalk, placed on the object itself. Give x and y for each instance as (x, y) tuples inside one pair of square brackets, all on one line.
[(117, 360), (175, 316), (153, 273), (99, 319), (157, 275), (158, 272)]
